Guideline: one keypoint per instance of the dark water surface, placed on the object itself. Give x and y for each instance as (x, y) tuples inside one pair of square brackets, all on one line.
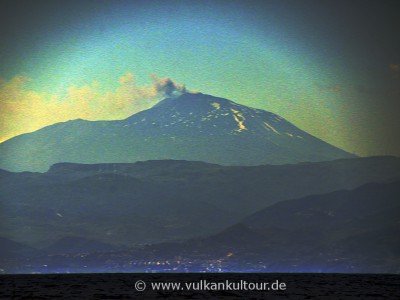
[(122, 286)]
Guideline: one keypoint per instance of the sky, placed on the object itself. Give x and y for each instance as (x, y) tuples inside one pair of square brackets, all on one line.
[(330, 67)]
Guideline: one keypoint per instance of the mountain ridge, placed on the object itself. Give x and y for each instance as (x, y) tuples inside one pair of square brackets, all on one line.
[(158, 201), (362, 239)]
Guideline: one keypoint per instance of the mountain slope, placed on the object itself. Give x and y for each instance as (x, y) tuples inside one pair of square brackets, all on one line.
[(330, 211), (154, 201), (344, 231), (71, 244), (13, 250), (193, 127)]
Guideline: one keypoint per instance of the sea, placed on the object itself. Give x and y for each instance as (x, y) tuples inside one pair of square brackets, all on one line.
[(200, 286)]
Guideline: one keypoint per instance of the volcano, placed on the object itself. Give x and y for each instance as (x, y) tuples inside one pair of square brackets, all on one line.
[(192, 126)]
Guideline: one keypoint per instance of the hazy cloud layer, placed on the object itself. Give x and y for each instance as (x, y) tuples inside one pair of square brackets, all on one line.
[(24, 110)]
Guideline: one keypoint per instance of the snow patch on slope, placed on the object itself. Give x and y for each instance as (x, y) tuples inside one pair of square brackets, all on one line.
[(216, 105), (270, 127), (237, 115)]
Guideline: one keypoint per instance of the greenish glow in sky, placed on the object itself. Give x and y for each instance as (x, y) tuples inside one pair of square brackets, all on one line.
[(241, 53)]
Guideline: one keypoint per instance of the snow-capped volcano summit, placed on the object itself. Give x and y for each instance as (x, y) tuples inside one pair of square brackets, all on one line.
[(201, 114), (192, 126)]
